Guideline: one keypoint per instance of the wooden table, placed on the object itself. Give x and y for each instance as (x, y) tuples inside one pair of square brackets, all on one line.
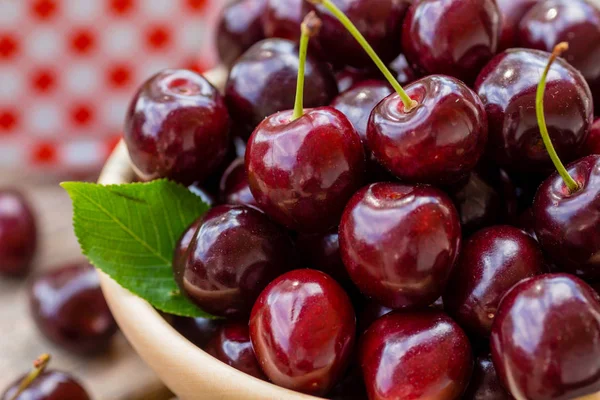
[(118, 375)]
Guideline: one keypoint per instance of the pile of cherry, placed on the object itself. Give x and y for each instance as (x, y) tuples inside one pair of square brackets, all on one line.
[(386, 242)]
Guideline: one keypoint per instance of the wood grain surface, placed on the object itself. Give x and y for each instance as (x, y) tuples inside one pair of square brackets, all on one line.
[(118, 375)]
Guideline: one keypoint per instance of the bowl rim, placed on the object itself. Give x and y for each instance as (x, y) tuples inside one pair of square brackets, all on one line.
[(187, 370)]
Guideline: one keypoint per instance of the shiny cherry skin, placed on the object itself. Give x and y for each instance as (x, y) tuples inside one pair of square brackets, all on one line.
[(399, 243), (546, 339), (451, 37), (526, 223), (321, 251), (567, 223), (449, 125), (18, 234), (234, 188), (507, 87), (419, 355), (485, 384), (177, 127), (197, 330), (239, 28), (402, 70), (69, 308), (302, 329), (592, 145), (49, 385), (512, 11), (282, 18), (231, 344), (574, 21), (233, 253), (482, 201), (380, 24), (347, 77), (203, 194), (303, 172), (271, 65), (490, 263)]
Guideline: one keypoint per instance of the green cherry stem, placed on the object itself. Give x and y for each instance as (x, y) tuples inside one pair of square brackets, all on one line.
[(409, 103), (539, 109), (309, 28), (39, 366)]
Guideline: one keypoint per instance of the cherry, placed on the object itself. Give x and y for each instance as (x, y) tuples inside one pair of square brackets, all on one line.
[(490, 263), (282, 18), (347, 77), (224, 260), (177, 127), (575, 21), (526, 223), (399, 243), (380, 24), (234, 188), (507, 88), (69, 308), (203, 194), (592, 145), (231, 345), (321, 251), (272, 65), (197, 330), (370, 313), (402, 70), (304, 165), (484, 383), (302, 329), (546, 338), (512, 11), (422, 355), (18, 234), (45, 385), (239, 28), (449, 125), (451, 37)]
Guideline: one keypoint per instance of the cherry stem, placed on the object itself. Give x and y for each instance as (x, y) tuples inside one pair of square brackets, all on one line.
[(39, 366), (309, 28), (409, 103), (539, 109)]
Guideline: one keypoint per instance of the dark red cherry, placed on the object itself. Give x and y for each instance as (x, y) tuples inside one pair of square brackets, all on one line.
[(197, 330), (402, 70), (69, 308), (448, 125), (380, 24), (512, 11), (485, 384), (282, 18), (370, 313), (526, 223), (321, 251), (422, 355), (231, 345), (303, 172), (490, 263), (234, 188), (399, 243), (177, 127), (507, 86), (202, 193), (48, 385), (224, 260), (592, 145), (18, 234), (574, 21), (272, 67), (567, 223), (239, 28), (451, 37), (350, 76), (302, 328), (546, 339)]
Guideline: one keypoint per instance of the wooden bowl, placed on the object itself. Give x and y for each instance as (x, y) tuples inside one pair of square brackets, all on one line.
[(187, 370)]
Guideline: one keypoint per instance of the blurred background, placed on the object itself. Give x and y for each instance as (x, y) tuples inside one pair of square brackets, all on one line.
[(67, 71)]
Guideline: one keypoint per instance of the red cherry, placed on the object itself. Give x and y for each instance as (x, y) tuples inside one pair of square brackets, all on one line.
[(421, 355), (234, 188), (302, 329), (485, 384), (592, 145), (512, 11), (18, 234), (399, 243)]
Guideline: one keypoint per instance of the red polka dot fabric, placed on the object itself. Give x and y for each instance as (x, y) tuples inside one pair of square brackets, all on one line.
[(69, 67)]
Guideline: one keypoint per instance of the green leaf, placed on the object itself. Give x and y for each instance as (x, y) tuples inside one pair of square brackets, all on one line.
[(129, 231)]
